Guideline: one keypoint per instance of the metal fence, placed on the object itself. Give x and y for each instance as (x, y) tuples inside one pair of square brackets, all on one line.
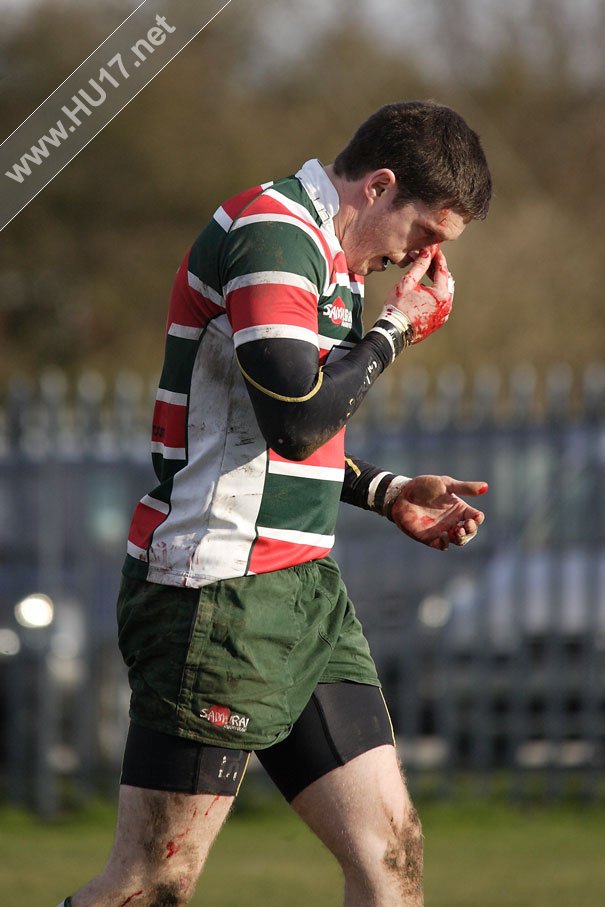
[(492, 656)]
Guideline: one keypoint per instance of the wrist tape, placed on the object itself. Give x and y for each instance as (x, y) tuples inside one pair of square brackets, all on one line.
[(396, 327), (392, 493)]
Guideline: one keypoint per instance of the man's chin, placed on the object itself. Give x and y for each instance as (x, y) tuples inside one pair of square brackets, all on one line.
[(370, 268), (367, 267)]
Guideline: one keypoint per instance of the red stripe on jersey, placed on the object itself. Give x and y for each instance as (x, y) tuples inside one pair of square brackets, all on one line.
[(169, 424), (340, 263), (234, 206), (270, 554), (331, 454), (267, 303), (265, 204), (189, 306), (144, 523)]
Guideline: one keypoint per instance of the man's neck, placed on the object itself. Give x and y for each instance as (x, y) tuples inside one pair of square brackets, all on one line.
[(346, 209)]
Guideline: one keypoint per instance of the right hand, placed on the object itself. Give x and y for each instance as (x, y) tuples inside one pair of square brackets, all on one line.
[(426, 308)]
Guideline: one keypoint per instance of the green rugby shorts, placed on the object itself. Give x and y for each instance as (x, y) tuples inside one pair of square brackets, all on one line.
[(234, 663)]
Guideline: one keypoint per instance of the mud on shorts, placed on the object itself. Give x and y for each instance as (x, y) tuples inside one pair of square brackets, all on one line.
[(234, 664)]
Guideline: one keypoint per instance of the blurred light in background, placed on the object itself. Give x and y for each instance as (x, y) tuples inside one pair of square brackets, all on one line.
[(434, 611), (9, 643), (35, 611)]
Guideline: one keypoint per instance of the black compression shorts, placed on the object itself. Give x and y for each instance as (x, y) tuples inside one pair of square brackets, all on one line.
[(341, 721)]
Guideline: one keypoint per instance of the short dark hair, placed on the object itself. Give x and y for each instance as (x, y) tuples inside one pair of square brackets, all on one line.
[(435, 155)]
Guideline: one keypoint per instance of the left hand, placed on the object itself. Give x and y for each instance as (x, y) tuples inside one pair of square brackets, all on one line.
[(429, 510), (425, 308)]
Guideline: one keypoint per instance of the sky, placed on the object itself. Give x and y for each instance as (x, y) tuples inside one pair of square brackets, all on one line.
[(406, 25)]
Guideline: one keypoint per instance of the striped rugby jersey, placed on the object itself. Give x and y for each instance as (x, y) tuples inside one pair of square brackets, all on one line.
[(267, 265)]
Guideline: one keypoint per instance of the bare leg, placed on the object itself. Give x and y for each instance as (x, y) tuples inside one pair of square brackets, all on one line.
[(162, 841), (362, 812)]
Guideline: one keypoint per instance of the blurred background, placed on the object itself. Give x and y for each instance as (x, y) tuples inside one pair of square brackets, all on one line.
[(492, 657)]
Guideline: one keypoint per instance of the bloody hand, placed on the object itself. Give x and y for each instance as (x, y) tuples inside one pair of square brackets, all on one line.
[(429, 510), (426, 308)]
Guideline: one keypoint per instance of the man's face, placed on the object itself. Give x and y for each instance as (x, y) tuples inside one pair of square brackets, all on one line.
[(384, 233)]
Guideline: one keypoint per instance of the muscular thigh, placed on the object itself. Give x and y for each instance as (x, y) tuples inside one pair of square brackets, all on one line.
[(339, 770), (363, 814), (340, 722), (158, 826), (174, 796)]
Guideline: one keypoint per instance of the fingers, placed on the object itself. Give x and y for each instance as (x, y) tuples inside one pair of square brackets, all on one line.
[(471, 489), (464, 531), (461, 534), (418, 269), (440, 275), (466, 539), (413, 256), (432, 269), (408, 259)]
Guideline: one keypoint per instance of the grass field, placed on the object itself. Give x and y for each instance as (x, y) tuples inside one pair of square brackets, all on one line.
[(476, 856)]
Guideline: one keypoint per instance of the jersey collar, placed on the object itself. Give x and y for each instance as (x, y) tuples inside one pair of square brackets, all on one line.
[(321, 191)]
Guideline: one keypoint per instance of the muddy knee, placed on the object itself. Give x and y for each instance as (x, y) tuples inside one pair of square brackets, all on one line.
[(156, 881), (171, 894), (149, 892), (403, 857)]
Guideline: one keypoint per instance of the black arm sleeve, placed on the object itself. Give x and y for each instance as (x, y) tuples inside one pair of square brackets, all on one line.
[(359, 475), (300, 406)]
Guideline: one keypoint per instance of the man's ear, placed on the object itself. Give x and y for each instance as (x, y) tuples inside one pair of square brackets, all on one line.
[(378, 182)]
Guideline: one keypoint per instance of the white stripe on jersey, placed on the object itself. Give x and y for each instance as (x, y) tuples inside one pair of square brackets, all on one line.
[(336, 353), (311, 231), (294, 207), (327, 473), (169, 453), (332, 343), (196, 284), (275, 331), (343, 280), (223, 219), (257, 278), (134, 551), (171, 397), (184, 331), (215, 501), (296, 537), (148, 501)]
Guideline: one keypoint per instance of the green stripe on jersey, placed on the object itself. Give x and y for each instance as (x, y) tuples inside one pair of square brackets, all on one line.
[(203, 258), (293, 189), (135, 568), (274, 246), (165, 469), (179, 360), (162, 492), (284, 498)]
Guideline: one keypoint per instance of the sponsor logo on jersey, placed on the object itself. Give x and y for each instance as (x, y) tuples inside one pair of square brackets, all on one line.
[(338, 314), (221, 716)]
